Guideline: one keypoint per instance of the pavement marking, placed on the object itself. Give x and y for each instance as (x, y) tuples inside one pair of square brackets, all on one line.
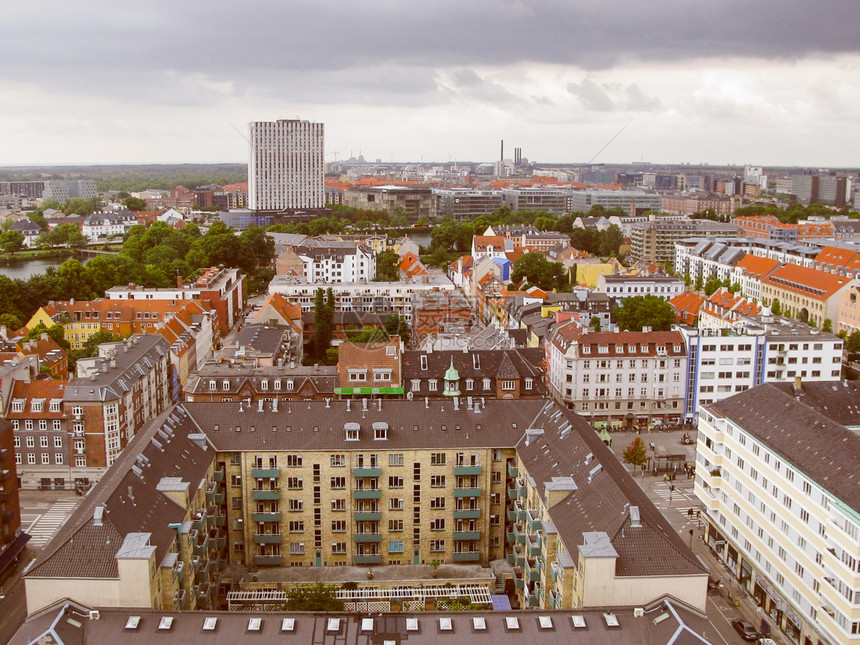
[(46, 525)]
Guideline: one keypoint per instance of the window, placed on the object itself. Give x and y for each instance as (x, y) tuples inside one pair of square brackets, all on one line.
[(338, 483), (80, 461), (57, 425), (294, 461), (43, 441), (470, 384), (297, 548), (225, 386), (395, 459), (338, 505), (31, 441), (294, 483), (432, 384), (437, 481), (296, 505), (437, 503), (31, 458), (395, 482), (437, 545), (58, 458), (416, 384), (486, 384), (338, 526), (338, 461), (529, 383), (395, 525), (16, 442), (436, 458), (296, 526), (395, 503), (338, 548), (509, 385), (395, 547)]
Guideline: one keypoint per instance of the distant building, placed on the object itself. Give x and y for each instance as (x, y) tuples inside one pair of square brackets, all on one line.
[(286, 165), (809, 295), (240, 381), (108, 224), (632, 202), (416, 202), (655, 241), (620, 286), (466, 203), (63, 190), (437, 312)]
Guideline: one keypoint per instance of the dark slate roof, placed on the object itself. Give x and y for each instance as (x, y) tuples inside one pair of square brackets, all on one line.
[(25, 226), (803, 430), (497, 363), (604, 492), (681, 626), (80, 549), (323, 378), (266, 339)]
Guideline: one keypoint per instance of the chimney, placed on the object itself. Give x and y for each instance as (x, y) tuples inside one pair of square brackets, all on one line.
[(178, 280)]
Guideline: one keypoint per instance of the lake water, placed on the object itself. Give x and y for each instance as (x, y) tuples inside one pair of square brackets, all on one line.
[(26, 268)]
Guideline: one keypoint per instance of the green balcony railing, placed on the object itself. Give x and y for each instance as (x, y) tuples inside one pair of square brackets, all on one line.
[(367, 494), (512, 514), (534, 545), (367, 516), (512, 493), (367, 537), (375, 558), (265, 473), (266, 495), (471, 556), (268, 538), (467, 492), (265, 560), (218, 475), (534, 521), (467, 513), (522, 490), (513, 471), (509, 557), (519, 536), (468, 470), (521, 510), (367, 472), (467, 535)]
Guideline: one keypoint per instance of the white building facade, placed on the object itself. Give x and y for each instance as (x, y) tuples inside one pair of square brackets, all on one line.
[(628, 286), (781, 516), (286, 166), (338, 262)]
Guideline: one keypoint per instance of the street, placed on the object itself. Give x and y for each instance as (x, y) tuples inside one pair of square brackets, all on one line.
[(675, 498)]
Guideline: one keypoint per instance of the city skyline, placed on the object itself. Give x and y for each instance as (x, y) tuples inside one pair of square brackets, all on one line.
[(731, 83)]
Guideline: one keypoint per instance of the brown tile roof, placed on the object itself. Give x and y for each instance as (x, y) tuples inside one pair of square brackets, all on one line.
[(41, 389), (481, 242)]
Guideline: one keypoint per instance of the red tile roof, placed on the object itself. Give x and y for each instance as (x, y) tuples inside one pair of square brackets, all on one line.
[(756, 265), (808, 282)]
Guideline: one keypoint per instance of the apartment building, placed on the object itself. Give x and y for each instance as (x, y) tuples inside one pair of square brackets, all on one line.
[(370, 368), (238, 381), (633, 202), (749, 272), (849, 310), (222, 288), (774, 476), (619, 285), (841, 260), (286, 165), (150, 534), (530, 238), (538, 198), (654, 241), (113, 396), (12, 538), (329, 261), (307, 486), (416, 201), (439, 312), (466, 203), (108, 224), (807, 294), (41, 436), (369, 297), (784, 252), (618, 379)]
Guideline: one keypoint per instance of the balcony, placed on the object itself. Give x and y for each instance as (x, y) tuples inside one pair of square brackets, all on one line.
[(367, 493), (510, 558), (513, 471), (265, 473), (218, 475), (512, 515), (375, 558), (467, 513), (519, 535), (534, 521), (467, 535), (467, 470), (522, 489), (470, 556), (534, 545), (519, 507), (180, 600), (197, 523), (266, 517), (467, 492), (367, 516), (367, 537), (512, 493), (367, 472), (268, 560), (266, 495), (518, 578), (533, 597), (531, 570), (519, 556), (268, 538)]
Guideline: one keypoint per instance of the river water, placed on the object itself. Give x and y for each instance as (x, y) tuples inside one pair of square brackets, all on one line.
[(25, 268)]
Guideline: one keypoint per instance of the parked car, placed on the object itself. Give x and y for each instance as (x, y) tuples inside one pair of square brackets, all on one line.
[(745, 629)]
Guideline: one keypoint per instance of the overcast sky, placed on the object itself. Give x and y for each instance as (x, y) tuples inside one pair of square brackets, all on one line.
[(761, 82)]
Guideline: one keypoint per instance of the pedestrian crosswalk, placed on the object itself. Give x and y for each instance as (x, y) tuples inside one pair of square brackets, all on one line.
[(44, 526)]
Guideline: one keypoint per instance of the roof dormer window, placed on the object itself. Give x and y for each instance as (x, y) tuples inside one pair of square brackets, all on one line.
[(351, 430)]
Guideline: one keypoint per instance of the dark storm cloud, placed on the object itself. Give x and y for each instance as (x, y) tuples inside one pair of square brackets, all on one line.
[(390, 48)]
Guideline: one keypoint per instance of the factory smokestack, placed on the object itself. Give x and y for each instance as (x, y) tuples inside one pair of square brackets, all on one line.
[(502, 158)]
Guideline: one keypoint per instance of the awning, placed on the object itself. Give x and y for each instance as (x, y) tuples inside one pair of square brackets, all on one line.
[(13, 550)]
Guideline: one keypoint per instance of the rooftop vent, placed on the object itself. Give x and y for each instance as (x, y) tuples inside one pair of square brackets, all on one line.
[(634, 517)]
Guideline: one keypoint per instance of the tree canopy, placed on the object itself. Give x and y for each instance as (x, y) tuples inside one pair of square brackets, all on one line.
[(539, 272), (635, 453), (318, 597), (387, 267), (645, 311)]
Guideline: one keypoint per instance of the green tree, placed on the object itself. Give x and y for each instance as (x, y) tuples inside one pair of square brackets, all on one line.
[(635, 454), (539, 272), (368, 335), (11, 241), (74, 282), (396, 325), (55, 332), (257, 247), (594, 323), (776, 308), (827, 326), (852, 342), (387, 269), (134, 203), (610, 241), (318, 597), (699, 282), (712, 284), (12, 322), (645, 311), (323, 322)]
